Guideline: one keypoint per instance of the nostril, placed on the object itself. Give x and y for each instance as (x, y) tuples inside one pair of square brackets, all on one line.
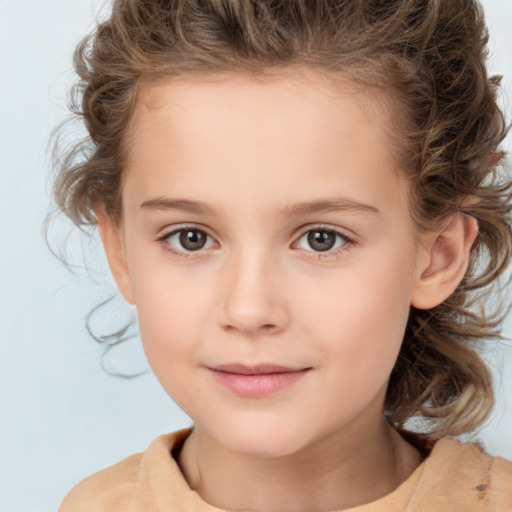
[(264, 328)]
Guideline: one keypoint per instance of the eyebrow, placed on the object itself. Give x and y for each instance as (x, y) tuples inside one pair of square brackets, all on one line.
[(164, 203), (303, 208), (327, 205)]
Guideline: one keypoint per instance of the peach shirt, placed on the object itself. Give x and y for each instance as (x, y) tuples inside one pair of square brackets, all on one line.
[(455, 476)]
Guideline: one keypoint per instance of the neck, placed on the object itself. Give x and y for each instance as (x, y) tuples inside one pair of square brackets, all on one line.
[(335, 473)]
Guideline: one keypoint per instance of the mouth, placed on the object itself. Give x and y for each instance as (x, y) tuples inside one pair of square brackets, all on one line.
[(257, 381)]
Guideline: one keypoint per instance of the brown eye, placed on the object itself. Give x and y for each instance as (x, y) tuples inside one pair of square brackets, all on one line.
[(192, 239), (321, 240), (186, 240)]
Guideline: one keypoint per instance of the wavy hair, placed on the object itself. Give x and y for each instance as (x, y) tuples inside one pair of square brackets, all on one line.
[(428, 56)]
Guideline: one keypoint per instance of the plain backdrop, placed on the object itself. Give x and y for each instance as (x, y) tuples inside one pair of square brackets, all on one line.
[(61, 416)]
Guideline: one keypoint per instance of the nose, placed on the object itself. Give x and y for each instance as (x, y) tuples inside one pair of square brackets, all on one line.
[(253, 301)]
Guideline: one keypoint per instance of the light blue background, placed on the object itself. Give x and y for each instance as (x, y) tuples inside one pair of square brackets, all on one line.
[(61, 416)]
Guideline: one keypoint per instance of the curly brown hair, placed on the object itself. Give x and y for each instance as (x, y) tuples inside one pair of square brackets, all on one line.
[(427, 55)]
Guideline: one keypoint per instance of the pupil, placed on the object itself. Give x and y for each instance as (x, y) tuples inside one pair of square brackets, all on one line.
[(192, 240), (321, 240)]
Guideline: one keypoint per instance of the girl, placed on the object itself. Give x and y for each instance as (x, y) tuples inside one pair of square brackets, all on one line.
[(303, 201)]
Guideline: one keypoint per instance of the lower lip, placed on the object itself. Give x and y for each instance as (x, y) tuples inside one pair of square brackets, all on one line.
[(259, 385)]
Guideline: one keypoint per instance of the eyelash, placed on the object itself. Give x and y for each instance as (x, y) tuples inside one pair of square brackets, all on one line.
[(183, 254), (332, 253), (346, 242)]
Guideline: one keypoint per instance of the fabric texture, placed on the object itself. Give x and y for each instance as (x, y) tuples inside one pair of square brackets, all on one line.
[(454, 476)]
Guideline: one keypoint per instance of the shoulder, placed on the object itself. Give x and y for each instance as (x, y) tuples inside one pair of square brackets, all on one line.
[(118, 487), (464, 474), (501, 483), (109, 489)]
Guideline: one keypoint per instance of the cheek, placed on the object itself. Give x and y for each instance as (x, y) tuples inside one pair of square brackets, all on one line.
[(173, 310), (360, 318), (170, 324)]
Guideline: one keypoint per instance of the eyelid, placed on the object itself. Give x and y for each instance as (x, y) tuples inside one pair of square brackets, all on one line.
[(343, 232), (169, 231), (349, 239)]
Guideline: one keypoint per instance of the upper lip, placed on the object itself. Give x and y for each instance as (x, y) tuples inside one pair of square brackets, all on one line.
[(258, 369)]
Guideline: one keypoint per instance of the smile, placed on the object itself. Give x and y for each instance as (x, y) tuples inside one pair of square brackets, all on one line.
[(256, 381)]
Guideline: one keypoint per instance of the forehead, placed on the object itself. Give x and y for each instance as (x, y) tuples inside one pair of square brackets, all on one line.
[(276, 97), (286, 130)]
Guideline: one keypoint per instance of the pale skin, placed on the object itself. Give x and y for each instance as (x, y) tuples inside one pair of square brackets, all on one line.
[(255, 168)]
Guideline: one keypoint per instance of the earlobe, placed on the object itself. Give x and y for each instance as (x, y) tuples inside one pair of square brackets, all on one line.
[(112, 242), (447, 261)]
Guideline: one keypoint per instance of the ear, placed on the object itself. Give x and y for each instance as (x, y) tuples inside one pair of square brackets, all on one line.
[(113, 244), (447, 259)]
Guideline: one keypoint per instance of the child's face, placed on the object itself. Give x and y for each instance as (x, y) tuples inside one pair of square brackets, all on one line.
[(296, 252)]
